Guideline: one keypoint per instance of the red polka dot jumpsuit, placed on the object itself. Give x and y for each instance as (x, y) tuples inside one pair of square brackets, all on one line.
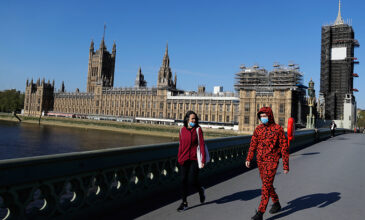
[(270, 143)]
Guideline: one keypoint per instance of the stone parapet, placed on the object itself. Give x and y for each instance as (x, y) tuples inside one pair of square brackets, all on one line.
[(75, 185)]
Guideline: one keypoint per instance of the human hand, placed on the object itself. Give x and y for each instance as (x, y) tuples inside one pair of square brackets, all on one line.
[(203, 165), (286, 171), (248, 163)]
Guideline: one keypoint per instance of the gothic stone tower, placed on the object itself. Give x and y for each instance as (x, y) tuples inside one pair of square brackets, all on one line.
[(38, 97), (101, 67), (165, 74), (337, 66)]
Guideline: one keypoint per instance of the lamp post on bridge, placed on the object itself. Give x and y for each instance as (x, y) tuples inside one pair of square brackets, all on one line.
[(311, 99)]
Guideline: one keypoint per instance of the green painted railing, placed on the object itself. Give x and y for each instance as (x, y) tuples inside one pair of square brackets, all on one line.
[(77, 184)]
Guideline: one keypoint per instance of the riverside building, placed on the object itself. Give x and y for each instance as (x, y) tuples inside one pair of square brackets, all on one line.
[(165, 104), (281, 89)]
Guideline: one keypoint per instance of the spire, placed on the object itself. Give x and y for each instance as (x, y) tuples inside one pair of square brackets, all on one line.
[(104, 31), (92, 45), (339, 19), (140, 82), (167, 49), (63, 87), (139, 73), (175, 80), (114, 47), (166, 59), (102, 44)]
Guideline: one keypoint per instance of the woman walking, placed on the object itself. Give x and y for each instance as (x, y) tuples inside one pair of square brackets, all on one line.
[(187, 157), (270, 143)]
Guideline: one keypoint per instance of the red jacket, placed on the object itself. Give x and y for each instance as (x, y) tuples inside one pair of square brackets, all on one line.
[(269, 141), (188, 143)]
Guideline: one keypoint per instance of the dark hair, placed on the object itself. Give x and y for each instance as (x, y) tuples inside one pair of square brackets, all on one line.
[(186, 118)]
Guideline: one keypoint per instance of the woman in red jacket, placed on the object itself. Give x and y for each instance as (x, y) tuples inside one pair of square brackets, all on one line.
[(187, 158), (270, 143)]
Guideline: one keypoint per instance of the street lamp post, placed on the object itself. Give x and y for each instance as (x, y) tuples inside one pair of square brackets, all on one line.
[(311, 99)]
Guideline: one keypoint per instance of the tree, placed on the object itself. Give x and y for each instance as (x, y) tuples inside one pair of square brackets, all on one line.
[(11, 100), (361, 119)]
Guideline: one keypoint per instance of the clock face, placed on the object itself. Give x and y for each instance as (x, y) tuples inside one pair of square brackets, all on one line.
[(338, 53)]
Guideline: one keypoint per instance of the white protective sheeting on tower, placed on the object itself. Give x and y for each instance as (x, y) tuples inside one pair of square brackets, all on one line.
[(339, 53)]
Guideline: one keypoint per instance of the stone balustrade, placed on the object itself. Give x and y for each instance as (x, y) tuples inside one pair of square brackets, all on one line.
[(69, 185)]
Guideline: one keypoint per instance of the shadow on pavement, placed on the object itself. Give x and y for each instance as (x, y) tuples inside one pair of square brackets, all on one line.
[(318, 200), (244, 196), (153, 202), (307, 154)]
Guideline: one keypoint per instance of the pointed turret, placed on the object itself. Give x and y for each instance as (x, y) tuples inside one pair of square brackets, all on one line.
[(175, 80), (139, 72), (114, 48), (167, 49), (27, 82), (52, 83), (166, 59), (165, 74), (339, 19), (102, 43), (92, 46), (63, 87), (140, 82)]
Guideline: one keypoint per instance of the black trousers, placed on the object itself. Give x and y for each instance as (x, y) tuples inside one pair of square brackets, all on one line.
[(333, 132), (190, 176)]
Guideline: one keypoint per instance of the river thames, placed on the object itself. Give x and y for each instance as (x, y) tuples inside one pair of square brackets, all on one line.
[(25, 140)]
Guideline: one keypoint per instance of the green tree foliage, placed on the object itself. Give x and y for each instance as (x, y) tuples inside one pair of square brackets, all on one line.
[(11, 100), (361, 119)]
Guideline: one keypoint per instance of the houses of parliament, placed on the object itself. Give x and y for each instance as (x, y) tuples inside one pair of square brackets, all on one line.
[(255, 87)]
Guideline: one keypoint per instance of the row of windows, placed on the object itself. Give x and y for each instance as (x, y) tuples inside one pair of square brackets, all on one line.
[(75, 101), (26, 108), (38, 100), (248, 93), (161, 105)]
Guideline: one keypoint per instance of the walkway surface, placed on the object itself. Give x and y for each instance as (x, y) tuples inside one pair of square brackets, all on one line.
[(326, 181)]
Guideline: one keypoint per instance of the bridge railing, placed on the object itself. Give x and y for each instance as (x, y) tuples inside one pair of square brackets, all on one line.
[(78, 184)]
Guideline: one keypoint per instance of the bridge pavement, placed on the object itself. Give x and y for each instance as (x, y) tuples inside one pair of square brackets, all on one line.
[(326, 181)]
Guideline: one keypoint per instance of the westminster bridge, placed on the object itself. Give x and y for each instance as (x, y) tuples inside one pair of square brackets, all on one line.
[(326, 181)]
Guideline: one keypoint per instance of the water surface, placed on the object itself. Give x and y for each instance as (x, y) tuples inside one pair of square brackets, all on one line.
[(24, 140)]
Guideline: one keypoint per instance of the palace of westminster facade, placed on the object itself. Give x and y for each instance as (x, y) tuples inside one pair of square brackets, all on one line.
[(255, 87)]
